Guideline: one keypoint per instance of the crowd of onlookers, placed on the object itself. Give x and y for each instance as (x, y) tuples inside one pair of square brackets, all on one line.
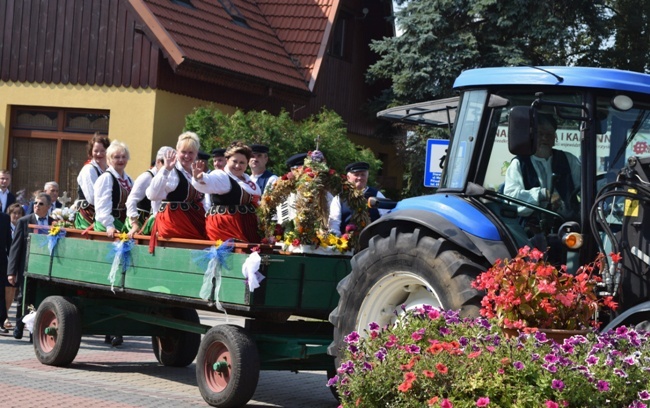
[(178, 197)]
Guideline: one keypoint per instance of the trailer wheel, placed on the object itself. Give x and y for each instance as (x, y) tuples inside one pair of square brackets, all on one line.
[(57, 331), (227, 367), (399, 272), (178, 348)]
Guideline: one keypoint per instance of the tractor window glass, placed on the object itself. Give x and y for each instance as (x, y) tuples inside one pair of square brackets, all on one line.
[(554, 168), (621, 135), (465, 136)]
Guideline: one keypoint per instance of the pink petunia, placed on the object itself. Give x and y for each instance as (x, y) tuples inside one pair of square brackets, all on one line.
[(483, 402)]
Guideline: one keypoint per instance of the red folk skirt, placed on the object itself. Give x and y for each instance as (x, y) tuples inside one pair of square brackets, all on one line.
[(241, 227), (179, 220)]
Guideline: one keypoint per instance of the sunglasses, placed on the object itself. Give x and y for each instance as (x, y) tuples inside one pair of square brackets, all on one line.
[(39, 203)]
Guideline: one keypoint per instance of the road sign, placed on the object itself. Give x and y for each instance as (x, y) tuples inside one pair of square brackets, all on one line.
[(436, 153)]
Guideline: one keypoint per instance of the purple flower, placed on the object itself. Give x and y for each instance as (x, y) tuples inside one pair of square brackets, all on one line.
[(417, 335), (620, 373), (367, 366), (551, 358), (550, 367), (352, 337), (373, 326), (381, 354), (630, 360), (518, 365), (602, 386), (567, 348), (534, 357), (463, 341), (637, 404), (347, 367), (591, 360), (540, 337), (413, 349), (644, 395), (332, 381), (557, 385), (353, 349), (444, 331)]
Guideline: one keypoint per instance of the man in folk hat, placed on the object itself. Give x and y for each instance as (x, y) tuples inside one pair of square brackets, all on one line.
[(340, 212), (258, 161), (218, 158)]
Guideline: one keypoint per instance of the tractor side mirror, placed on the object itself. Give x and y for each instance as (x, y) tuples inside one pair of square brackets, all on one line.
[(522, 131)]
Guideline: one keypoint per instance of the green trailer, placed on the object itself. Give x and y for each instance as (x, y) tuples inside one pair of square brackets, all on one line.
[(157, 295)]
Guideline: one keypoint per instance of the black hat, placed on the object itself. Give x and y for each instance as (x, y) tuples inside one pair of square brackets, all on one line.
[(296, 160), (357, 166), (218, 152), (203, 155), (258, 148)]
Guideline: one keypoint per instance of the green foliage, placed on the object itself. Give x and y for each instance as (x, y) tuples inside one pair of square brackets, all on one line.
[(442, 38), (283, 136)]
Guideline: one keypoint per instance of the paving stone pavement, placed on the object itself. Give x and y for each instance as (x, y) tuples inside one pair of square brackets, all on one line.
[(130, 376)]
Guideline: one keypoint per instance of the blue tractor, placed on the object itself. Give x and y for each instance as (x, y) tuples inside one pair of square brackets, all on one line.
[(429, 249)]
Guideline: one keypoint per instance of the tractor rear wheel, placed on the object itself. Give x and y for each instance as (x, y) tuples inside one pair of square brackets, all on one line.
[(401, 272)]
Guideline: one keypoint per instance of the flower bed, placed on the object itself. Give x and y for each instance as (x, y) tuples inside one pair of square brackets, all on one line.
[(434, 358)]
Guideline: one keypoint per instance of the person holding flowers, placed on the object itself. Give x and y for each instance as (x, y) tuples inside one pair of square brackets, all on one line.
[(90, 172), (234, 197), (111, 191), (181, 213)]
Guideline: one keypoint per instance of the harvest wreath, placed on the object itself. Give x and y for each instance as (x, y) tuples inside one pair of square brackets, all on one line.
[(310, 188)]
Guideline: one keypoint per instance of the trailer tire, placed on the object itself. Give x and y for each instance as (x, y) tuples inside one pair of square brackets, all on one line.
[(233, 383), (402, 271), (178, 348), (57, 331)]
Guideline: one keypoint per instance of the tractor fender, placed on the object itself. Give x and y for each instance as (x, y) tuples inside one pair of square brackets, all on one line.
[(627, 318), (489, 249)]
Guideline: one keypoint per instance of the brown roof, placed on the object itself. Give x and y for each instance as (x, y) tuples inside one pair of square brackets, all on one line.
[(281, 43)]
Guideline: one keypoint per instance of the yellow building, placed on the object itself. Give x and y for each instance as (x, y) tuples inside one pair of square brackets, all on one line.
[(135, 68)]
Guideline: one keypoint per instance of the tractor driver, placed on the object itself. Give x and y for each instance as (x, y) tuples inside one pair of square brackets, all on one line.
[(550, 178)]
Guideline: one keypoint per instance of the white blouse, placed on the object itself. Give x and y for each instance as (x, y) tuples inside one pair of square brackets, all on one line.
[(104, 197), (87, 178), (218, 182)]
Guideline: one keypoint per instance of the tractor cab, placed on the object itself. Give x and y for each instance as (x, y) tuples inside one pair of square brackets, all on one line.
[(556, 158)]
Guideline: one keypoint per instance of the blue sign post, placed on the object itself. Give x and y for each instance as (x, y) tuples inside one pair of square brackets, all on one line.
[(436, 152)]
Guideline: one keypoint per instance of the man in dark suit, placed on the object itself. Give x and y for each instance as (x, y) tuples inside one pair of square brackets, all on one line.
[(18, 252), (5, 244), (6, 197)]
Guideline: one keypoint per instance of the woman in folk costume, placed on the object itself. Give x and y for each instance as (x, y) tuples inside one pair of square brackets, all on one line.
[(181, 213), (94, 167), (111, 191), (234, 197)]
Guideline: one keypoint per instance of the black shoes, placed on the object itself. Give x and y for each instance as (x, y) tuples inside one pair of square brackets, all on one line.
[(113, 340), (18, 332), (3, 329)]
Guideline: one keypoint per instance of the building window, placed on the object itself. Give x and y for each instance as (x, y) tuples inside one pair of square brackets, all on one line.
[(341, 36), (234, 13), (50, 145)]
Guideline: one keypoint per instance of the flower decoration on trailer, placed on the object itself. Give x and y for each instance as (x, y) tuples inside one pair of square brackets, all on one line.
[(310, 185), (213, 260), (527, 292), (64, 217)]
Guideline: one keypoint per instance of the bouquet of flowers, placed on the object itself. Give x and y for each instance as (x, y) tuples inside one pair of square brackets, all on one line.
[(312, 187), (64, 217), (527, 292)]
